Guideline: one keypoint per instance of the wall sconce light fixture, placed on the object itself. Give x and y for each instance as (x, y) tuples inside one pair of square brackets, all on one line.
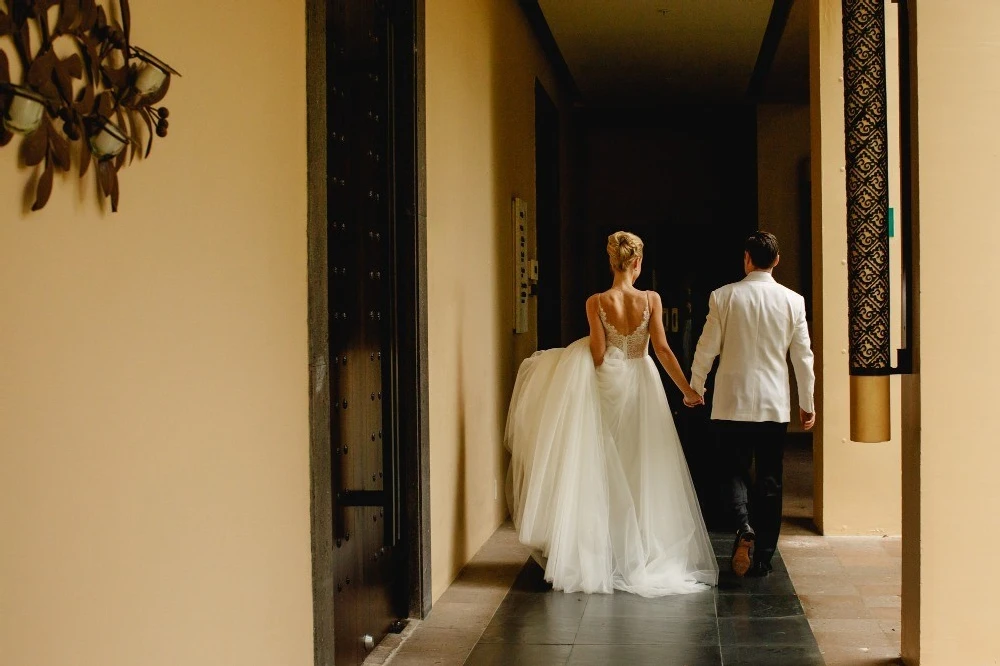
[(107, 140), (25, 110), (150, 72), (94, 99)]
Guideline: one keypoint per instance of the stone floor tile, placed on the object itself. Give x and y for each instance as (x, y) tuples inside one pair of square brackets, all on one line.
[(850, 633), (881, 559), (438, 640), (881, 590), (428, 659), (804, 547), (890, 627), (815, 566), (856, 544), (645, 655), (782, 655), (621, 605), (886, 601), (763, 605), (885, 613), (472, 594), (841, 626), (816, 585), (540, 630), (893, 546), (861, 656), (835, 607), (648, 631), (460, 615), (742, 631), (503, 654)]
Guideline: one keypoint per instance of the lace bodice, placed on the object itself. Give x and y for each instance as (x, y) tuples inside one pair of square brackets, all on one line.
[(636, 343)]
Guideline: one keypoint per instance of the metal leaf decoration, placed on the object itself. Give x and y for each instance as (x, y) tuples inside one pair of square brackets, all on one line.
[(96, 101)]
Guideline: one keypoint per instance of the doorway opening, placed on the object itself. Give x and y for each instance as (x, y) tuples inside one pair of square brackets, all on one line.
[(548, 221), (692, 123)]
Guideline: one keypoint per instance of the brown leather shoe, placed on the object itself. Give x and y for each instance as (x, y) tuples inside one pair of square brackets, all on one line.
[(743, 551)]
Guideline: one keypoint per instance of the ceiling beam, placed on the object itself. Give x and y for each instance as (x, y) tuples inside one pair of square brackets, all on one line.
[(769, 46), (536, 18)]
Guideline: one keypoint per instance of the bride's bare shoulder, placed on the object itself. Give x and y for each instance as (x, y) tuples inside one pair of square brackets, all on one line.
[(593, 308), (594, 302)]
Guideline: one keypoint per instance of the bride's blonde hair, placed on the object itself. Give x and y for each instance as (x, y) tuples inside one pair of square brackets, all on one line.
[(624, 249)]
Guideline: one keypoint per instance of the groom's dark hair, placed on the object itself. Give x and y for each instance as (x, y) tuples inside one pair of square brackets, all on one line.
[(762, 248)]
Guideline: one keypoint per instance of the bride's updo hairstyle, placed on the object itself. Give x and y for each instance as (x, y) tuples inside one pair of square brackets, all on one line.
[(624, 249)]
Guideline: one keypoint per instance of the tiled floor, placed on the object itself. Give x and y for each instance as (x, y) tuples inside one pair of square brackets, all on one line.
[(457, 621), (848, 587), (750, 621)]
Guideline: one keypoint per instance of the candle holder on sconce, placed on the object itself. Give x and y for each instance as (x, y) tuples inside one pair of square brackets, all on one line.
[(24, 110), (151, 76), (101, 103), (107, 139)]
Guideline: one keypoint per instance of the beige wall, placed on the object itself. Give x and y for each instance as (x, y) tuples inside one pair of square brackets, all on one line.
[(154, 485), (482, 60), (858, 486), (958, 46)]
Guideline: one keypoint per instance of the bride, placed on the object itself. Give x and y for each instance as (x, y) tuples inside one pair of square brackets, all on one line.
[(598, 482)]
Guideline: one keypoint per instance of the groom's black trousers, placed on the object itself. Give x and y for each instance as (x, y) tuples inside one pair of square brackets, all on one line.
[(757, 501)]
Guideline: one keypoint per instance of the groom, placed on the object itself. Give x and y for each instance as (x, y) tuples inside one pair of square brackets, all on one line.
[(755, 325)]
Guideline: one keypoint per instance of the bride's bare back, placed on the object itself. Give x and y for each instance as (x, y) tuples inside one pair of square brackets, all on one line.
[(625, 310)]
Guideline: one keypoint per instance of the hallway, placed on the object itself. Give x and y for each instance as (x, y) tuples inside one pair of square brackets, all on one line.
[(830, 600), (256, 416)]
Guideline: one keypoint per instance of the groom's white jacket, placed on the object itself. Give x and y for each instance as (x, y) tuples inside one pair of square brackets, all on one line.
[(755, 325)]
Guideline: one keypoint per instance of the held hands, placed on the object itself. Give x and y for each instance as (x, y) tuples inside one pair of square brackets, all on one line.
[(808, 420), (692, 398)]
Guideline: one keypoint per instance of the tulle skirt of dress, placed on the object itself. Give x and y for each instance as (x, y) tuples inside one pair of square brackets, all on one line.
[(598, 482)]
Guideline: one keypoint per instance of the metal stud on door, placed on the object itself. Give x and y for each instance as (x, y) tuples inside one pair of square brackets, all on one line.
[(359, 273)]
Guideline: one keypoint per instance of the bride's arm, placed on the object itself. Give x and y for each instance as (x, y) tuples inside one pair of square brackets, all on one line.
[(597, 341), (658, 336)]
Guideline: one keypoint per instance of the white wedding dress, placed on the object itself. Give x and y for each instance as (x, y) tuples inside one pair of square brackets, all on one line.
[(598, 482)]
